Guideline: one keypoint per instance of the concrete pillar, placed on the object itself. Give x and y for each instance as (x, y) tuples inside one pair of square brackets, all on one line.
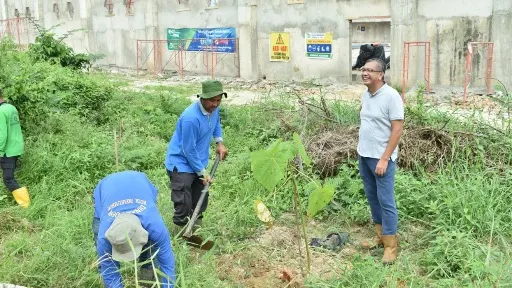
[(3, 9), (501, 23), (151, 24), (83, 7), (403, 28), (248, 39), (35, 13)]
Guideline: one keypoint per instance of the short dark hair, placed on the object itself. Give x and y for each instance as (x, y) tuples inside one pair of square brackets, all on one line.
[(380, 63)]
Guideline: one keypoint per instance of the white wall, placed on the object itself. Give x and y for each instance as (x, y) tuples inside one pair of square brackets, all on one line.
[(448, 25)]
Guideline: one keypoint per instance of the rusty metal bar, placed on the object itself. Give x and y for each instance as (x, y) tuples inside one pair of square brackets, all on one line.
[(469, 65), (405, 64)]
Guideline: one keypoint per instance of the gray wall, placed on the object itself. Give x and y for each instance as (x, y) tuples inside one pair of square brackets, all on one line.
[(373, 32), (447, 25)]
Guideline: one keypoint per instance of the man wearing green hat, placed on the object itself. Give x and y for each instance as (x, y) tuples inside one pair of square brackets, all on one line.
[(188, 152)]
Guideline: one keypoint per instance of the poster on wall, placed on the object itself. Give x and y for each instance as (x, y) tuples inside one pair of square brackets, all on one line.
[(202, 39), (319, 45), (280, 46)]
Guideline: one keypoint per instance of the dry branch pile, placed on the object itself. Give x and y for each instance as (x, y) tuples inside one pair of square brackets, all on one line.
[(419, 146)]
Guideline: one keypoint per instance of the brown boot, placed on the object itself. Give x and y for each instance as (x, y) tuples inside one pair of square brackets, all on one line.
[(390, 249), (377, 241)]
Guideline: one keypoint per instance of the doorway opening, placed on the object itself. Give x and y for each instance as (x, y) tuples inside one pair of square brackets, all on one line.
[(370, 37)]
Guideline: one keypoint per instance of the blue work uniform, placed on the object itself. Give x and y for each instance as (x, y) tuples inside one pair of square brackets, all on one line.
[(130, 192)]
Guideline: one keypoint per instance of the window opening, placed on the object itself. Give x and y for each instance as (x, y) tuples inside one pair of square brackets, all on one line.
[(110, 7), (183, 5), (71, 10), (212, 3), (56, 10), (129, 6)]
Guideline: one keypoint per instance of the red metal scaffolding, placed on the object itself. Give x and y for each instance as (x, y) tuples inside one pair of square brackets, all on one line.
[(15, 28), (157, 52), (405, 67), (179, 57), (469, 65)]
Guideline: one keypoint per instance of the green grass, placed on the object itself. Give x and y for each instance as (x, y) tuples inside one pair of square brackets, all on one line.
[(185, 90), (455, 224)]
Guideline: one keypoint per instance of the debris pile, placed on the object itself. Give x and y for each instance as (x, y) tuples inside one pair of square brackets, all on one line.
[(427, 147)]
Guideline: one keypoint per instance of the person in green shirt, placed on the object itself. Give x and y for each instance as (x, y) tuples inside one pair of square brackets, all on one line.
[(11, 148)]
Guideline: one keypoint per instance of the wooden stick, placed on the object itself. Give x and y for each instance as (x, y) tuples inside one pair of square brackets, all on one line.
[(121, 130), (115, 150)]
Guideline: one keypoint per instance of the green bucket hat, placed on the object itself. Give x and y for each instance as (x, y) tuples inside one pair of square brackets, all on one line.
[(212, 88)]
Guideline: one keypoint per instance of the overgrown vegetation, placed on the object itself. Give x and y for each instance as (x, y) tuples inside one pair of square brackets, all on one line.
[(453, 192), (48, 48)]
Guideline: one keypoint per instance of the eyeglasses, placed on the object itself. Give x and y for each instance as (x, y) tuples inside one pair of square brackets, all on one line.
[(369, 70)]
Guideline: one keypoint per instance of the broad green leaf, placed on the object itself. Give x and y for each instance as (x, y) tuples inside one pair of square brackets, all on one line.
[(286, 148), (300, 149), (319, 199), (269, 166)]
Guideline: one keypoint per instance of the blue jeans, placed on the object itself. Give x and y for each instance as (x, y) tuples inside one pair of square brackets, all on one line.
[(147, 250), (380, 192)]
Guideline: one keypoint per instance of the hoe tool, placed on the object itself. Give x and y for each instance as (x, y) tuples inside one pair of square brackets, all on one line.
[(195, 240)]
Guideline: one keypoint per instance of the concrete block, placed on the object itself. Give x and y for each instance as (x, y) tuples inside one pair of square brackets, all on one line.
[(447, 9)]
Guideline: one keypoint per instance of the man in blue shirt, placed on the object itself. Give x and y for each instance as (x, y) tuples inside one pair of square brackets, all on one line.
[(125, 213), (188, 152)]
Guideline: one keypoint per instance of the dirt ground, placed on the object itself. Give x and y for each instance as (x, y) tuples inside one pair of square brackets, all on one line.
[(242, 92), (272, 258)]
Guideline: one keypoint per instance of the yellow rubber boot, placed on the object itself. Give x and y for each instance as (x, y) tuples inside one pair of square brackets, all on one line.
[(22, 197)]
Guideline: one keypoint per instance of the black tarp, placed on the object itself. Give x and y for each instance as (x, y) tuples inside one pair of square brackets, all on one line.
[(369, 51)]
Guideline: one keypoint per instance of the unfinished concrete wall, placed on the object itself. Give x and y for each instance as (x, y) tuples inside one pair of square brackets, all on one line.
[(298, 19), (312, 16), (20, 9), (449, 30), (64, 16), (197, 14), (371, 32), (115, 35), (449, 26), (501, 24)]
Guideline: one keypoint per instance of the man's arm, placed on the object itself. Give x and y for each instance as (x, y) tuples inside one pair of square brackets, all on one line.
[(166, 258), (109, 268), (217, 135), (96, 199), (396, 117), (190, 130), (3, 134), (396, 132), (217, 132)]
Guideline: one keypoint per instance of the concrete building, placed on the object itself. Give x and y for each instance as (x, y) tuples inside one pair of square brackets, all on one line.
[(112, 28)]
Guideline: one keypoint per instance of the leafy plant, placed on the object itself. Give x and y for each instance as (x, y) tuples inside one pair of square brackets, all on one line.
[(40, 88), (285, 159), (53, 50)]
